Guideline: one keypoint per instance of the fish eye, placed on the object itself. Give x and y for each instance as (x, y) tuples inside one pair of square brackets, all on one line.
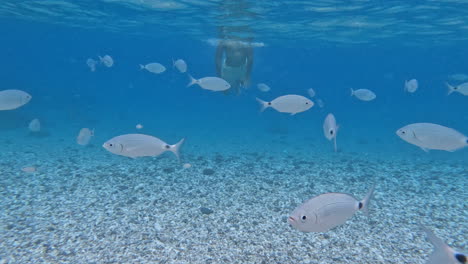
[(460, 257), (167, 147), (303, 218), (307, 102), (403, 132), (110, 145), (331, 132)]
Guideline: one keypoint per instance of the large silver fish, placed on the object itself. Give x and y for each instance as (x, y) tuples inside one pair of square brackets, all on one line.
[(139, 145), (290, 103), (326, 211), (432, 136)]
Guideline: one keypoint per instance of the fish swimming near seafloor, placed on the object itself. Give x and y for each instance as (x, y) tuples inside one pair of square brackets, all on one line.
[(326, 211), (330, 128), (12, 99), (429, 136), (140, 145)]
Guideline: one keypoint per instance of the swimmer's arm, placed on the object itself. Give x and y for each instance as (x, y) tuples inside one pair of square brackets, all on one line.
[(219, 59)]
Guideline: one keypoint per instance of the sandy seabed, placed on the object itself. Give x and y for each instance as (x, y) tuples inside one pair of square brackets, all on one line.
[(224, 209)]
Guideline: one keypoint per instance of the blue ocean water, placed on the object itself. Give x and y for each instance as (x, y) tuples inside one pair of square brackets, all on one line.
[(330, 46)]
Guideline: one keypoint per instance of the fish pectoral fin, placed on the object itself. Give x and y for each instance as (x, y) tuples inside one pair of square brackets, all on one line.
[(425, 149)]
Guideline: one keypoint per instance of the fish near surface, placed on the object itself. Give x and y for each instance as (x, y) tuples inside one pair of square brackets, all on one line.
[(180, 65), (12, 99), (140, 145), (429, 136), (290, 103), (462, 88), (215, 84), (153, 67), (411, 86), (330, 128), (107, 61), (328, 210), (263, 87), (363, 94), (443, 254)]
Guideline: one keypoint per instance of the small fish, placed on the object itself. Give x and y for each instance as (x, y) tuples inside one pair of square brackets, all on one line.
[(320, 103), (443, 254), (290, 103), (153, 67), (35, 125), (139, 126), (107, 61), (363, 94), (311, 92), (432, 136), (180, 65), (187, 166), (459, 77), (462, 88), (139, 145), (330, 129), (263, 87), (12, 99), (30, 169), (411, 86), (210, 83), (326, 211), (84, 136), (91, 64)]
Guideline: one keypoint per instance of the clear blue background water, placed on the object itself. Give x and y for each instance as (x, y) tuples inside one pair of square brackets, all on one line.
[(49, 62)]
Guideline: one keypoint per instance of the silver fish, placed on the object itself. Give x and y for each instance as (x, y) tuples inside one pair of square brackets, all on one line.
[(411, 86), (290, 103), (263, 87), (84, 137), (35, 125), (363, 94), (330, 128), (12, 99), (215, 84), (139, 145), (432, 136), (326, 211), (153, 67), (461, 88), (180, 65)]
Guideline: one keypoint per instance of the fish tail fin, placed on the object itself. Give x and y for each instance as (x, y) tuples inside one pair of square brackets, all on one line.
[(438, 244), (263, 105), (142, 67), (364, 204), (451, 88), (176, 148), (352, 91), (192, 81)]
